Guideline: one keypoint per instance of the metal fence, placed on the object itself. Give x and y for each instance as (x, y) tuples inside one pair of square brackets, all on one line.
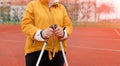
[(11, 13)]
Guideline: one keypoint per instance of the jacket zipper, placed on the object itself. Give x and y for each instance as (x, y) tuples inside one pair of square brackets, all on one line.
[(51, 22)]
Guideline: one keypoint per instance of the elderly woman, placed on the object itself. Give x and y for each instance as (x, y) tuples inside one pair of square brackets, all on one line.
[(36, 22)]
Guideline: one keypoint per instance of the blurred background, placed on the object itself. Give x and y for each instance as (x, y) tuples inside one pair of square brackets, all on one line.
[(82, 12), (95, 40)]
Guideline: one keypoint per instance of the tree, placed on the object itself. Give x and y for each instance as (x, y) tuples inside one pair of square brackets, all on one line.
[(86, 8), (104, 8)]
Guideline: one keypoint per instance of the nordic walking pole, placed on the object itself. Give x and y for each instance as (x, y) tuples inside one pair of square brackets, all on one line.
[(43, 48), (61, 46), (63, 52), (41, 53)]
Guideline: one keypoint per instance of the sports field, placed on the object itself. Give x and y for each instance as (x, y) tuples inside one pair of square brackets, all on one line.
[(87, 46)]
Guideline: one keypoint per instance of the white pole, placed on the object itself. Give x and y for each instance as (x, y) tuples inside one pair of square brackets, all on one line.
[(64, 56), (41, 54)]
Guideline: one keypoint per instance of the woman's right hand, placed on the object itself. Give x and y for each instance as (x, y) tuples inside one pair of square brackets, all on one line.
[(47, 33)]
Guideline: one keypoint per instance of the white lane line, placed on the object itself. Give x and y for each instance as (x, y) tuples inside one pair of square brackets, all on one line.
[(118, 33), (99, 49)]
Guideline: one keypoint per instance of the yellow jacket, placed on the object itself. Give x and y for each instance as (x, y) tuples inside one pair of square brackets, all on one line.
[(38, 16)]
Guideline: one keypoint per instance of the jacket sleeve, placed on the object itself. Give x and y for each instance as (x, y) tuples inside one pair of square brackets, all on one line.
[(67, 22), (27, 24)]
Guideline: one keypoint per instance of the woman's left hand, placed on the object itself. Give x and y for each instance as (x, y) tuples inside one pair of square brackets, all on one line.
[(59, 32)]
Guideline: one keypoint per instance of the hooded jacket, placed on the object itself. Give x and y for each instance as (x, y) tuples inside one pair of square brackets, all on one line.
[(39, 16)]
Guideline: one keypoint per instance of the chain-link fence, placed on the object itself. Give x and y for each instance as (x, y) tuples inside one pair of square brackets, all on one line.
[(11, 11)]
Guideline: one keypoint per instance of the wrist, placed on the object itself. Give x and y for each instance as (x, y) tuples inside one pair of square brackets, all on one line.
[(41, 33), (38, 36)]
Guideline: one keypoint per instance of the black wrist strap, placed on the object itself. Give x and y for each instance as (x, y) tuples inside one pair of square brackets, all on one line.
[(41, 34), (64, 31)]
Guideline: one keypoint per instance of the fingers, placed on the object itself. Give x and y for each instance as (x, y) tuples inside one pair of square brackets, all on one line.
[(59, 35), (47, 33), (59, 32)]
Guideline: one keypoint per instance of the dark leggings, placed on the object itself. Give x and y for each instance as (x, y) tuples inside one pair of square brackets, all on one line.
[(32, 58)]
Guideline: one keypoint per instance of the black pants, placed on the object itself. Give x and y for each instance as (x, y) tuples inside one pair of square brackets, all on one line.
[(32, 58)]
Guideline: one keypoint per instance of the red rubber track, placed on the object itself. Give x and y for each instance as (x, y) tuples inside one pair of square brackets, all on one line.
[(86, 46)]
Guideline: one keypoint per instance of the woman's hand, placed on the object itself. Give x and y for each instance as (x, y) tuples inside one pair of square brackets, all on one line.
[(59, 32), (47, 33)]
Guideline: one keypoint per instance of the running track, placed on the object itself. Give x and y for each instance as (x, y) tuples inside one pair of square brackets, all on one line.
[(86, 46)]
